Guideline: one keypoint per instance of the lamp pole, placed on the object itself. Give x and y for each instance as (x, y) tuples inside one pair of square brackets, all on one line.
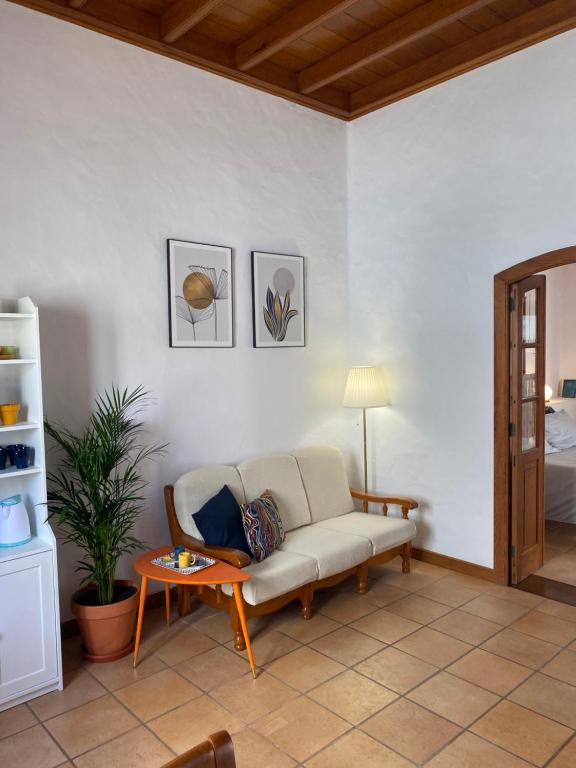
[(365, 451)]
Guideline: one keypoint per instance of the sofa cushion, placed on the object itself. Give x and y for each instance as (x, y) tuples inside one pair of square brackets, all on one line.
[(279, 474), (220, 522), (195, 488), (382, 532), (278, 574), (263, 527), (334, 551), (325, 482)]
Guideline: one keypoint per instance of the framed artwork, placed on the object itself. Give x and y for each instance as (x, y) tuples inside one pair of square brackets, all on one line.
[(200, 294), (569, 388), (278, 300)]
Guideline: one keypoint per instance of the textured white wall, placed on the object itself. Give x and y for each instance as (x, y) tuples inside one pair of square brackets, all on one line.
[(446, 189), (107, 150)]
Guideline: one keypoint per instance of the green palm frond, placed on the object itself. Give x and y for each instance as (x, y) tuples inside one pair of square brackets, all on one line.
[(96, 493)]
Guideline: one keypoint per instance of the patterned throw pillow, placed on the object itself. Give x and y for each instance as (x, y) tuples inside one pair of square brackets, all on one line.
[(262, 526)]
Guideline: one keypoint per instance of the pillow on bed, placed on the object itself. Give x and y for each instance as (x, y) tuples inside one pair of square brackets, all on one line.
[(560, 430), (549, 448)]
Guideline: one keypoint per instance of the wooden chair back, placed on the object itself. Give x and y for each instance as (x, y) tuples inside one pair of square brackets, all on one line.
[(216, 752)]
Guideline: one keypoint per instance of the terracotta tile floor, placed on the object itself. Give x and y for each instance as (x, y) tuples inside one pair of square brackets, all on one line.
[(432, 669), (560, 556)]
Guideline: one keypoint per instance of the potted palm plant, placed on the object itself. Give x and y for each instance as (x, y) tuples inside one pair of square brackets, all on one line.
[(95, 496)]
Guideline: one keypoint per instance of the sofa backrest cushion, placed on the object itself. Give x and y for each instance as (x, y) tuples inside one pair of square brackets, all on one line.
[(195, 488), (325, 482), (280, 475)]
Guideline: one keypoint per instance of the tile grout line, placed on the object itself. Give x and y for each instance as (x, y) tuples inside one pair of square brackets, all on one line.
[(505, 698), (385, 645), (398, 695), (477, 646)]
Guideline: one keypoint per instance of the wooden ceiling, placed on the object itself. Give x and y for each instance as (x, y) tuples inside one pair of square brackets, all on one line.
[(342, 57)]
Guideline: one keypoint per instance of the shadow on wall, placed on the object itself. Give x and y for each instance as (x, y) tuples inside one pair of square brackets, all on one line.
[(67, 376)]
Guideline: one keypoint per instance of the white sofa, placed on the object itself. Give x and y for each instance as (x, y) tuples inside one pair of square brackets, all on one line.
[(327, 539)]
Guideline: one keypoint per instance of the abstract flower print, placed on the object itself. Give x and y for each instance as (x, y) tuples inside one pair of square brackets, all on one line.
[(277, 312), (201, 291)]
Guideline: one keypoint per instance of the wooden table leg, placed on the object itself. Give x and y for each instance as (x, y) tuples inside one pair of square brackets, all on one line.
[(143, 588), (167, 600), (237, 587)]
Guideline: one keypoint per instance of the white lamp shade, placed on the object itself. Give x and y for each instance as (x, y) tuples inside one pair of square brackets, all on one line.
[(365, 388), (548, 392)]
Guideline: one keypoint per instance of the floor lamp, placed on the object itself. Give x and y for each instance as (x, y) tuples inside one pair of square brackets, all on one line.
[(365, 388)]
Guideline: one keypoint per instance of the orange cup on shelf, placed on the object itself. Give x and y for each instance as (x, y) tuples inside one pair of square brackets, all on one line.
[(9, 413)]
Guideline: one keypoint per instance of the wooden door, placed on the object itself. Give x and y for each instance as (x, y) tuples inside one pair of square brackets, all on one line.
[(527, 403)]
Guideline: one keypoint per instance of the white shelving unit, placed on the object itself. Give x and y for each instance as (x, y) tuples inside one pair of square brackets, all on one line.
[(30, 656)]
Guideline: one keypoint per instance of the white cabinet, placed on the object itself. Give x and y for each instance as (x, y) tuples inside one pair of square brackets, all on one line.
[(28, 631), (30, 661)]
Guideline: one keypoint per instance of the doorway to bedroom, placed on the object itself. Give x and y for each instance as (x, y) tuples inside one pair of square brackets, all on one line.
[(560, 427), (535, 425)]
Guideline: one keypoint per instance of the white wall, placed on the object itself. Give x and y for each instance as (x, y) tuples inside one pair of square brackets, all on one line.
[(560, 326), (106, 150), (446, 189)]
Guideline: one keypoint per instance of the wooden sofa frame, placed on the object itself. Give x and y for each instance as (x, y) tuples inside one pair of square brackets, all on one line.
[(216, 752), (217, 599)]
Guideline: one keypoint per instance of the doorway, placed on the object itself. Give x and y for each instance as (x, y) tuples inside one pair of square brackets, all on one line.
[(519, 401)]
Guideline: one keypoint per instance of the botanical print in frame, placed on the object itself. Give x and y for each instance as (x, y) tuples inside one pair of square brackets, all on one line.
[(278, 300), (200, 294)]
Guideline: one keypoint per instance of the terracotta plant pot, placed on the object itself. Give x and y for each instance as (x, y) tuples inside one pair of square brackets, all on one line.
[(9, 413), (107, 630)]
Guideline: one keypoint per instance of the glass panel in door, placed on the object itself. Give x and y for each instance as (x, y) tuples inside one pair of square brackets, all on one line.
[(529, 372), (529, 329), (529, 425)]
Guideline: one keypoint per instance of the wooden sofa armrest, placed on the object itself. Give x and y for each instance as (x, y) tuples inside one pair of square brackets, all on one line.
[(233, 556), (404, 502), (216, 752)]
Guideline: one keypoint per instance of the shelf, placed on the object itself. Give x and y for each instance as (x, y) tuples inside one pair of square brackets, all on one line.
[(19, 426), (33, 547), (13, 472), (16, 316), (19, 361)]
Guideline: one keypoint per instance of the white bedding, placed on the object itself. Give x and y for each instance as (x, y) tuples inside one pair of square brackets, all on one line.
[(560, 486)]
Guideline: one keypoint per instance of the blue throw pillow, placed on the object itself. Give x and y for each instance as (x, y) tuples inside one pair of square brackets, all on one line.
[(220, 522)]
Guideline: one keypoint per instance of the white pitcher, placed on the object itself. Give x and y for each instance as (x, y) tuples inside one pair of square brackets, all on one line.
[(14, 522)]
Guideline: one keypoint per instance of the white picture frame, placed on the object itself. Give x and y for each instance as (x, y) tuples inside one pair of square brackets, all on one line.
[(200, 294)]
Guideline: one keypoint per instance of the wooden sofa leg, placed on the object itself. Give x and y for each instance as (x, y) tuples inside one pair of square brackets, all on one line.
[(239, 643), (184, 602), (306, 600), (406, 553), (362, 578)]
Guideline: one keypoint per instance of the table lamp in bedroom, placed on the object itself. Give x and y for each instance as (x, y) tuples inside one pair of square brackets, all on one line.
[(365, 388)]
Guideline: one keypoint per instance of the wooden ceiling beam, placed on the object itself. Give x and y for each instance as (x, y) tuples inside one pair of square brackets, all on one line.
[(124, 22), (183, 15), (307, 15), (77, 3), (532, 27), (406, 29)]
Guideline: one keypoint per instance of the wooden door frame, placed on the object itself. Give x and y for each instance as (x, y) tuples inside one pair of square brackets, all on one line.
[(502, 282)]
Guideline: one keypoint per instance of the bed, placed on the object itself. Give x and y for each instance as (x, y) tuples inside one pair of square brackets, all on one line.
[(560, 486)]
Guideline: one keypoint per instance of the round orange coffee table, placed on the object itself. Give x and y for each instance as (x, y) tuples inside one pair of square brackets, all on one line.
[(217, 574)]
